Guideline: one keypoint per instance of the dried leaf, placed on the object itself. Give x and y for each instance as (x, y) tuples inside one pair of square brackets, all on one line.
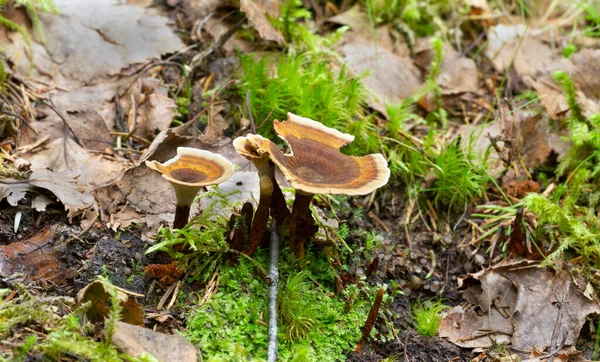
[(96, 293), (458, 74), (66, 188), (256, 17), (468, 329), (134, 341), (13, 192), (91, 169), (102, 33), (155, 110), (536, 303), (38, 257), (389, 76), (354, 17)]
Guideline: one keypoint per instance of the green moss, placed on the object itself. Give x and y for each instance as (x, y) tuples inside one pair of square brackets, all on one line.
[(298, 28), (315, 324), (459, 179), (573, 207), (427, 317), (66, 334), (422, 18), (304, 86)]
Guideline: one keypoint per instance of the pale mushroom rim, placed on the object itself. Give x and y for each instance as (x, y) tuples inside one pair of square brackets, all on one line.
[(225, 165)]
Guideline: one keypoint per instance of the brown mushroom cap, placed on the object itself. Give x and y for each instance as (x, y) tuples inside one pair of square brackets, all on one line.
[(248, 147), (316, 166), (194, 168)]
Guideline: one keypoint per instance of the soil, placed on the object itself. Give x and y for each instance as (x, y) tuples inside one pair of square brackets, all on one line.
[(424, 259), (120, 257)]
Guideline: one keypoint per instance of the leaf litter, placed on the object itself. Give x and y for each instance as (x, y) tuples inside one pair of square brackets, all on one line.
[(536, 310), (530, 307), (83, 86)]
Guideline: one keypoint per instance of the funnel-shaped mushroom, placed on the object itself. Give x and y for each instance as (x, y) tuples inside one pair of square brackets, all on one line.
[(248, 147), (315, 165), (188, 172)]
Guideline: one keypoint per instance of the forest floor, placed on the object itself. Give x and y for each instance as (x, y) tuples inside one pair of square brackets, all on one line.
[(483, 245)]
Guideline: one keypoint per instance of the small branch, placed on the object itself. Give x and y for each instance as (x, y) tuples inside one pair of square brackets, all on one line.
[(274, 284), (53, 107), (252, 125)]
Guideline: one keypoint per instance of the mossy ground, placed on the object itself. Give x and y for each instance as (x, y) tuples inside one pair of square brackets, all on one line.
[(325, 298)]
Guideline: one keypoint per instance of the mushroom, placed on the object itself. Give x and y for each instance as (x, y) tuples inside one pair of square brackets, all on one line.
[(315, 165), (238, 229), (188, 172), (261, 216), (248, 147)]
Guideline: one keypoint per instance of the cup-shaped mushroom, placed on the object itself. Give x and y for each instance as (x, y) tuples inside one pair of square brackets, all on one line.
[(315, 165), (189, 171), (249, 147)]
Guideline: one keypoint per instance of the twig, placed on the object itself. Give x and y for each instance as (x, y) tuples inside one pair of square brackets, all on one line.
[(561, 309), (53, 107), (274, 284), (217, 43), (142, 71), (252, 125)]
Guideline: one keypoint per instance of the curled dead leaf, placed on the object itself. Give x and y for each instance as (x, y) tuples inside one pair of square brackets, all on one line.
[(96, 293), (257, 18)]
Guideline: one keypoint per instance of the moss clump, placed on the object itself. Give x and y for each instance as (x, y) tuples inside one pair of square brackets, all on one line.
[(459, 179), (315, 324), (573, 206), (427, 317), (303, 86), (67, 333)]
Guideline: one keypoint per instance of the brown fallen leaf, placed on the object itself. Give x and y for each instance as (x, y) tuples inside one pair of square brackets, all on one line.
[(458, 74), (468, 329), (390, 77), (255, 14), (534, 61), (96, 293), (540, 306), (155, 110), (565, 354), (13, 192), (355, 18), (75, 197), (104, 37), (215, 127), (531, 55), (38, 257), (135, 341)]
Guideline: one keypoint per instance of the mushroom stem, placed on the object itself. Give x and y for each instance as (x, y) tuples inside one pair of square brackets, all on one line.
[(185, 197), (239, 227), (261, 216), (278, 205), (301, 223), (182, 215)]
